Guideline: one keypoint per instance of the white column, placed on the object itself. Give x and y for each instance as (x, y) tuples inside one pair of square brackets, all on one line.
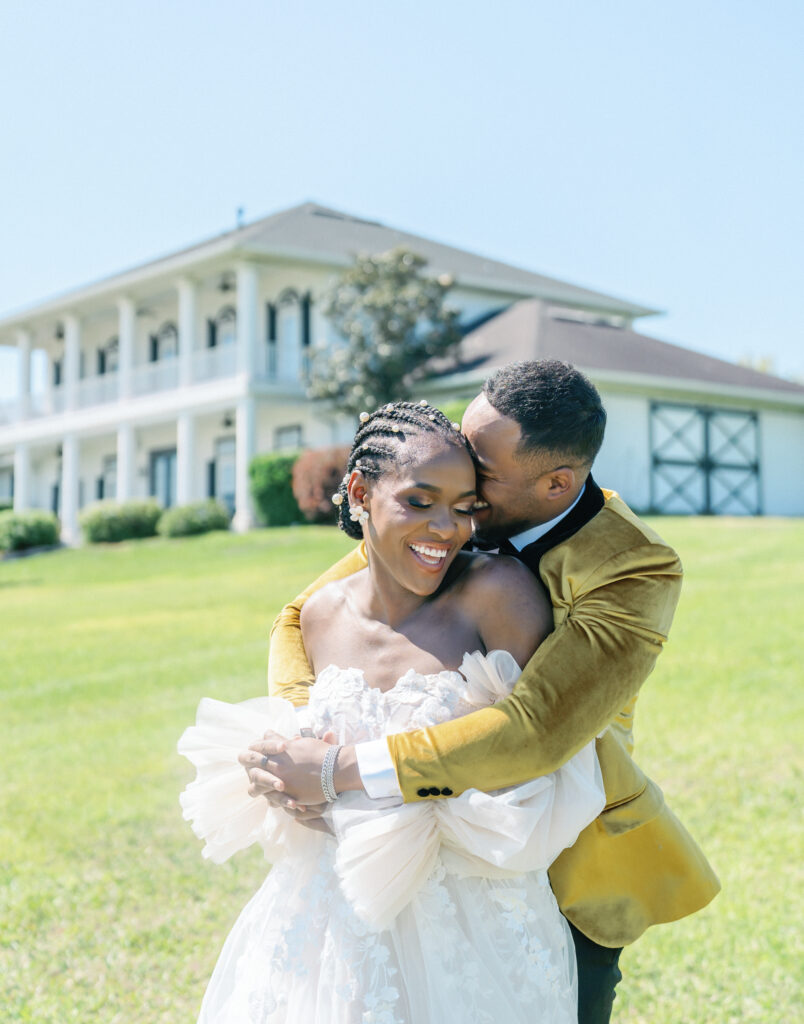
[(188, 318), (126, 333), (69, 489), (245, 443), (125, 462), (22, 477), (185, 458), (246, 318), (72, 356), (24, 378)]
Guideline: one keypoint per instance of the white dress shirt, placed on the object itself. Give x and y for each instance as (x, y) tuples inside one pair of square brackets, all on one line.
[(374, 761)]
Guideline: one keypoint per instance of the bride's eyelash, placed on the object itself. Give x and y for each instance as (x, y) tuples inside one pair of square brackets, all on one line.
[(416, 503)]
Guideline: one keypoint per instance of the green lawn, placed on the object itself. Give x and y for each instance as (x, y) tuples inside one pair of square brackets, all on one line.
[(108, 912)]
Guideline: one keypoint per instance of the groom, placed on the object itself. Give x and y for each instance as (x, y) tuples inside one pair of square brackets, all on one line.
[(536, 429)]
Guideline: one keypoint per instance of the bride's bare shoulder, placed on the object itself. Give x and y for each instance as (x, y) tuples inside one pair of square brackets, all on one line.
[(325, 604), (508, 602)]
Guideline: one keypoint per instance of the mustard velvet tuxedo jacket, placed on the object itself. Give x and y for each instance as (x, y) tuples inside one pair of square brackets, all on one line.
[(614, 585)]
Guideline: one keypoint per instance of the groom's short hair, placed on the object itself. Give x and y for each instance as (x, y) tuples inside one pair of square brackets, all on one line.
[(558, 409)]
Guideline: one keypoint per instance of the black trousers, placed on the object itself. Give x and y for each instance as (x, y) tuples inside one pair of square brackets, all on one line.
[(598, 974)]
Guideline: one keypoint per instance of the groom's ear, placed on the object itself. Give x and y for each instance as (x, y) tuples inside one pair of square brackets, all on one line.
[(560, 483)]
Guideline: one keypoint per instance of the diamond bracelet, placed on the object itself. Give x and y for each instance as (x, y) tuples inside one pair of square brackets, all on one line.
[(328, 774)]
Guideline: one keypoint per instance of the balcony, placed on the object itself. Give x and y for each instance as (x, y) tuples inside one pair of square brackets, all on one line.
[(206, 365)]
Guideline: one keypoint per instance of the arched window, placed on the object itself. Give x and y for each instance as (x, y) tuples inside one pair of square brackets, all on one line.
[(288, 335), (165, 343), (226, 326), (108, 357)]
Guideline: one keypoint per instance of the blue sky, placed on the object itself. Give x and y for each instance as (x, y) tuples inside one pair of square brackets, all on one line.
[(653, 151)]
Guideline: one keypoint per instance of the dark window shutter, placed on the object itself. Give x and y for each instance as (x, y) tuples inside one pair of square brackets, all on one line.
[(305, 320), (154, 349), (101, 362), (99, 488), (212, 334), (57, 373), (271, 309), (211, 479)]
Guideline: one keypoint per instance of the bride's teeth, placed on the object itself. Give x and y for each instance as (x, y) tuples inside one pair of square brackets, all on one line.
[(429, 552)]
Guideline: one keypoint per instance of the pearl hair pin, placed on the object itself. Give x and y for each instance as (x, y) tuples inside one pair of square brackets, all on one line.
[(337, 499), (364, 417)]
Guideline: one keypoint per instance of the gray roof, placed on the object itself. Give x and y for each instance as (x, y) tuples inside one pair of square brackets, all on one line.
[(311, 233), (527, 331), (313, 229)]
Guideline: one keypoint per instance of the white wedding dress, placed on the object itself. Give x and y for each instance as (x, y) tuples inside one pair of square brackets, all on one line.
[(436, 912)]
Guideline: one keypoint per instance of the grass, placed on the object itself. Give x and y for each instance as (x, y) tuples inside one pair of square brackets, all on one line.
[(108, 913)]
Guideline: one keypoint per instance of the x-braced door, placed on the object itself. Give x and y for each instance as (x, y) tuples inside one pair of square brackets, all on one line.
[(704, 461)]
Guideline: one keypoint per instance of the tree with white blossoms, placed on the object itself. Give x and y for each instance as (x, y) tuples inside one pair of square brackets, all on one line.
[(391, 321)]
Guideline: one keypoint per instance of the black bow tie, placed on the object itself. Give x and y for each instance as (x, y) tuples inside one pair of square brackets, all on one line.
[(504, 547)]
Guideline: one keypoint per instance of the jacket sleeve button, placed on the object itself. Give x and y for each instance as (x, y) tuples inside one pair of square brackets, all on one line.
[(446, 791), (434, 791), (422, 792)]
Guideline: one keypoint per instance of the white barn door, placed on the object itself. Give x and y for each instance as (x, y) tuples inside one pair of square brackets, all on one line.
[(704, 461)]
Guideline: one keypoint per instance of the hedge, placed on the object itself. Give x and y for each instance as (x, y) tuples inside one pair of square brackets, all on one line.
[(33, 529), (106, 522), (272, 489), (316, 475), (197, 517)]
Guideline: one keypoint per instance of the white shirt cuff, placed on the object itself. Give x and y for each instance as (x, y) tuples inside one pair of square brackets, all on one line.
[(377, 772)]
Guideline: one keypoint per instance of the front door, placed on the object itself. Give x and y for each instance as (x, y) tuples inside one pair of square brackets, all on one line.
[(163, 477)]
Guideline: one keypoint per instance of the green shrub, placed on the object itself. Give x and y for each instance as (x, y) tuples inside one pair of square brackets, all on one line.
[(316, 475), (32, 529), (106, 522), (6, 504), (271, 478), (197, 517)]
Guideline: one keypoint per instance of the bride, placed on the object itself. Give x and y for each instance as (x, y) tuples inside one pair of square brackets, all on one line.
[(435, 912)]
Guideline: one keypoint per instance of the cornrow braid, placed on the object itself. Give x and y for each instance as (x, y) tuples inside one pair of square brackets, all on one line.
[(379, 440)]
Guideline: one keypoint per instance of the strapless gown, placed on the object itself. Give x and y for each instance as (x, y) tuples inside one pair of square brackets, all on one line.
[(438, 912)]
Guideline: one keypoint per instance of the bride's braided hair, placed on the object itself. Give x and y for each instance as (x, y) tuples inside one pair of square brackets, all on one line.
[(379, 439)]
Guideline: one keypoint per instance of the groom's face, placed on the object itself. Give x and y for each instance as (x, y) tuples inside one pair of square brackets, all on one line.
[(516, 489)]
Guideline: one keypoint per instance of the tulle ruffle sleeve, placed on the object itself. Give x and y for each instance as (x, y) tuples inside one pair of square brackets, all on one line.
[(217, 802)]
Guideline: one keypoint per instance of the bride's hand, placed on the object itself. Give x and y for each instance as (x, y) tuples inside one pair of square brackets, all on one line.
[(289, 768)]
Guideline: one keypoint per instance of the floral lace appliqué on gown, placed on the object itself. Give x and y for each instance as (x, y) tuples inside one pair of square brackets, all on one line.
[(437, 912)]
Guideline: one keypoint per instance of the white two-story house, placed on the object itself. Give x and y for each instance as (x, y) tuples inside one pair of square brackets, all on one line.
[(166, 379)]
